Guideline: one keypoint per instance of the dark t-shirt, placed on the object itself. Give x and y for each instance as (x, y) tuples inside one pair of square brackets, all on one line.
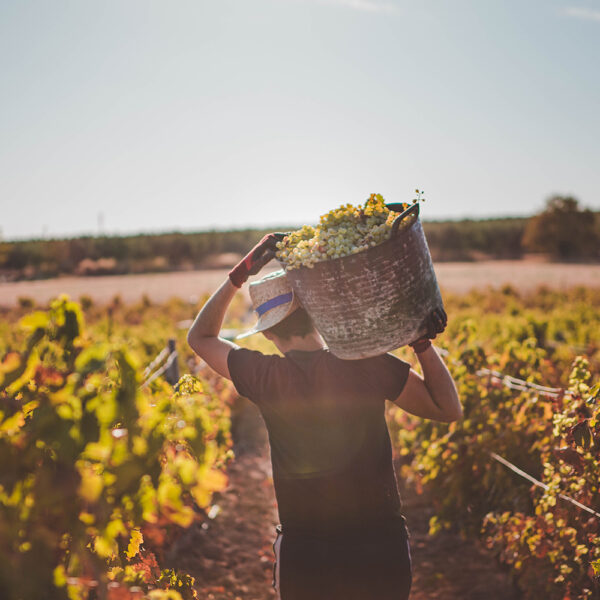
[(330, 446)]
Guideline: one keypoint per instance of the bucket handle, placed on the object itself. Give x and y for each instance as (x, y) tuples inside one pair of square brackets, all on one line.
[(414, 208)]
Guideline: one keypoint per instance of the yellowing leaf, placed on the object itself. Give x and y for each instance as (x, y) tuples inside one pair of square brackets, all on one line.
[(60, 576), (215, 480), (33, 321), (114, 528), (164, 595), (183, 516), (135, 542), (147, 499), (22, 375), (91, 485), (187, 468), (140, 446), (97, 451), (10, 362), (201, 495), (212, 481), (92, 358), (104, 548), (12, 425), (87, 518)]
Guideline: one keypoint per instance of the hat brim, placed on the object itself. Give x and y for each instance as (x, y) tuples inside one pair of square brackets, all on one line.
[(272, 317)]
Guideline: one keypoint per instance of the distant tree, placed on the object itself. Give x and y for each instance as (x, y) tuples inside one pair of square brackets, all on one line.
[(563, 230), (469, 240)]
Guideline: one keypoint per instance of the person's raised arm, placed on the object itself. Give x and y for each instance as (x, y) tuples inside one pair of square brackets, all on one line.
[(203, 335), (434, 395)]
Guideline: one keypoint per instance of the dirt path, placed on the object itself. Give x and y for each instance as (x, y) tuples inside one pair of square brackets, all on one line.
[(231, 555), (447, 567), (159, 287)]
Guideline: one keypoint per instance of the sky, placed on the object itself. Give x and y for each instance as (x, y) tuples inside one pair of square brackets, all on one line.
[(125, 116)]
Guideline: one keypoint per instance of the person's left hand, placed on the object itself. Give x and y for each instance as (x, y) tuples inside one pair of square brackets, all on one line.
[(435, 323), (256, 259)]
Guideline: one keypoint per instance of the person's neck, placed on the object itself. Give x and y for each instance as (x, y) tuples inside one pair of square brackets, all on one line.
[(307, 343)]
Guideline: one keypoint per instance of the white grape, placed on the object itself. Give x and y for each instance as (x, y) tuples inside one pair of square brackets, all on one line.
[(341, 232)]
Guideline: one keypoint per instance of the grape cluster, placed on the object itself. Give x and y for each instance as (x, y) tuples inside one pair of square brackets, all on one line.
[(343, 231)]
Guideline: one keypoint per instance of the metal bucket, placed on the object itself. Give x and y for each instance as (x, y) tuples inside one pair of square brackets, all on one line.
[(369, 303)]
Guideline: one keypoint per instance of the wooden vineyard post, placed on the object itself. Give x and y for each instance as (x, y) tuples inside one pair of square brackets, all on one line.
[(172, 372)]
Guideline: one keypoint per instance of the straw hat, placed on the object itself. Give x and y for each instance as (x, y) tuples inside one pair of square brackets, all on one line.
[(273, 300)]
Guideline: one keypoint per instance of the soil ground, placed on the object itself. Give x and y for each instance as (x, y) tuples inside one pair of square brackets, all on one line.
[(231, 556), (454, 277)]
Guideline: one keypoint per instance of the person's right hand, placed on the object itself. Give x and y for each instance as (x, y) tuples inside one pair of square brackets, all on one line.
[(435, 323), (256, 259)]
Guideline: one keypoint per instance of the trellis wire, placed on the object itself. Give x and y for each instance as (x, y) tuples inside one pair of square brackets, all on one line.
[(170, 359), (544, 486), (169, 355), (164, 353), (515, 383)]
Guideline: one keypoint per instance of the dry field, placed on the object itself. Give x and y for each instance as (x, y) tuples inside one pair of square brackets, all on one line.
[(455, 277)]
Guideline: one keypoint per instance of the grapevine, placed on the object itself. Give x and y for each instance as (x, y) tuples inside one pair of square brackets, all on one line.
[(72, 419), (552, 547), (90, 461)]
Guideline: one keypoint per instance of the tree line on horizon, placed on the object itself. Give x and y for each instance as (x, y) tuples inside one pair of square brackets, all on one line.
[(564, 231)]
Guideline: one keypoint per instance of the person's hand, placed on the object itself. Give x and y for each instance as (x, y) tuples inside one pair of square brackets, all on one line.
[(434, 323), (256, 259)]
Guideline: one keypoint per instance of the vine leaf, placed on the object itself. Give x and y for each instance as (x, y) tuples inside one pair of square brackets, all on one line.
[(582, 434), (571, 457)]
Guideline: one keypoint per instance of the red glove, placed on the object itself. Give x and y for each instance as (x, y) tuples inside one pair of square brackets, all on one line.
[(435, 323), (256, 259)]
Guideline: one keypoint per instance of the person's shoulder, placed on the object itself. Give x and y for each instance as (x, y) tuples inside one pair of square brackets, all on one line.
[(251, 371), (363, 366), (310, 356), (377, 367), (246, 354), (244, 358), (382, 376), (369, 361), (387, 357)]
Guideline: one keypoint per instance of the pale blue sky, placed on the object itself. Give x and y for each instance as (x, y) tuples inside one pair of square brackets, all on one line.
[(182, 114)]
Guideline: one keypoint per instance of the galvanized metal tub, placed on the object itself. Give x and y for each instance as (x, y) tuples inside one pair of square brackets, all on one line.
[(372, 302)]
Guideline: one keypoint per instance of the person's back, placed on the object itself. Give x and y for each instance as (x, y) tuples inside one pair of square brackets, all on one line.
[(330, 447), (342, 534)]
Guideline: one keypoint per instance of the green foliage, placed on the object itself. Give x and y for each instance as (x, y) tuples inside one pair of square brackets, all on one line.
[(122, 254), (93, 465), (469, 239), (561, 323), (448, 240), (564, 230), (90, 460), (552, 546), (555, 547)]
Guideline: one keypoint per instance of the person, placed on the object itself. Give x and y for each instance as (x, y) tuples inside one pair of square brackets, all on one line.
[(342, 533)]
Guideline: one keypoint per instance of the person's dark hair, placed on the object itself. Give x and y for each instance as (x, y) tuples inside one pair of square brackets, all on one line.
[(297, 323)]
